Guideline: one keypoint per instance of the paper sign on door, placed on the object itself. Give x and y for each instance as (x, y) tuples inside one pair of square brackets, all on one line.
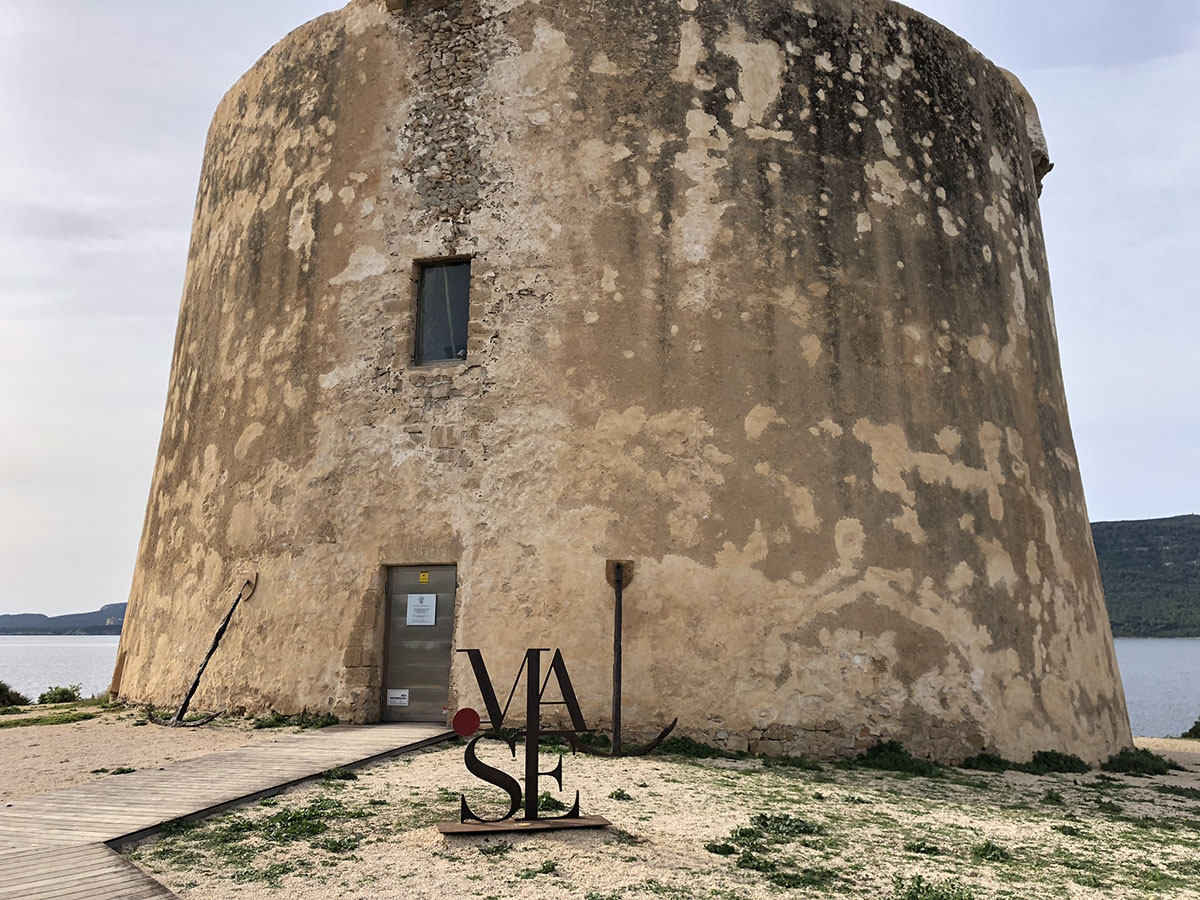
[(422, 609), (397, 698)]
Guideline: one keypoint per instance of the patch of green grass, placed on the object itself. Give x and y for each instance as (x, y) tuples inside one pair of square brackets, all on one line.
[(547, 802), (549, 867), (11, 711), (1136, 761), (122, 770), (621, 836), (1046, 762), (500, 848), (917, 888), (1190, 792), (989, 851), (720, 848), (784, 827), (1069, 830), (923, 847), (339, 773), (302, 720), (60, 718), (755, 863), (70, 694), (685, 746), (1053, 798), (814, 876), (620, 794), (792, 762), (345, 843), (892, 756)]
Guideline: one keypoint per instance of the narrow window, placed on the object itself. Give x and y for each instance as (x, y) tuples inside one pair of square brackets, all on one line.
[(442, 309)]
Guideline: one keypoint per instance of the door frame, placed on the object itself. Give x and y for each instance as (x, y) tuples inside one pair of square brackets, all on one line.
[(386, 630)]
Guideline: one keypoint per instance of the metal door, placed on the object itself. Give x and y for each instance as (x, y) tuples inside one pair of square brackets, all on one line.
[(416, 684)]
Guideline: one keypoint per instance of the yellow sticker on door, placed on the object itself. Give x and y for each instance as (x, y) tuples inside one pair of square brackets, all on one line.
[(424, 579)]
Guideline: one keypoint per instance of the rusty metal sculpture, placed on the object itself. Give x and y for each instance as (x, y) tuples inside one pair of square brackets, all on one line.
[(467, 723), (177, 721)]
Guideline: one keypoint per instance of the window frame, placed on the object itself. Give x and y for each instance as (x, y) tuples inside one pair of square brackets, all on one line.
[(420, 268)]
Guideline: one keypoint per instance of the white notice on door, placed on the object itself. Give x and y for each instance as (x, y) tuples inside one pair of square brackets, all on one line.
[(422, 609), (397, 698)]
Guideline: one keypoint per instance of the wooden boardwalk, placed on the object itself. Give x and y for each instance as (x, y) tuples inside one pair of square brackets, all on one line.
[(59, 845)]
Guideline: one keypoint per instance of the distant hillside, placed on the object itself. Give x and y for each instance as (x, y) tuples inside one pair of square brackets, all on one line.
[(1151, 575), (78, 623)]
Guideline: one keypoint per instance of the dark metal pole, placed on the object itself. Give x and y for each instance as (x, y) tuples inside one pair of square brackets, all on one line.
[(533, 726), (618, 586)]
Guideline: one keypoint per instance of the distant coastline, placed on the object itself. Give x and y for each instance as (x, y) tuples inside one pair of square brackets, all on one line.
[(1150, 569), (106, 620)]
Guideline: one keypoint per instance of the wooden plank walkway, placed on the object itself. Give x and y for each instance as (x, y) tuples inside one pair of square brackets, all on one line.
[(59, 845)]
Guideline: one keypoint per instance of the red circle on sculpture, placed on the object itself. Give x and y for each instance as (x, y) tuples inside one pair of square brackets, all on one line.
[(466, 722)]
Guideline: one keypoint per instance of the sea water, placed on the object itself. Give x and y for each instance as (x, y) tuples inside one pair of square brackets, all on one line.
[(1161, 675), (32, 663)]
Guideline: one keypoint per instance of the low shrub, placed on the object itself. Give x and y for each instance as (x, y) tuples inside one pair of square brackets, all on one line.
[(620, 794), (70, 694), (1053, 798), (1136, 761), (9, 697), (340, 773), (1047, 762), (923, 847), (1193, 733), (892, 756), (986, 762), (10, 710), (720, 848)]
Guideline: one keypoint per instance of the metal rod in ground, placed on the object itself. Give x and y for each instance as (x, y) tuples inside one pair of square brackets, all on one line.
[(618, 587)]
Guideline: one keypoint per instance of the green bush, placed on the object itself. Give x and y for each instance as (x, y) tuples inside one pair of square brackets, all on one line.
[(1135, 761), (1046, 762), (10, 710), (986, 762), (892, 756), (1194, 732), (71, 694), (9, 697)]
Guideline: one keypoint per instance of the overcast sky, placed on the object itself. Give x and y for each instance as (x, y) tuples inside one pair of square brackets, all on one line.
[(104, 105)]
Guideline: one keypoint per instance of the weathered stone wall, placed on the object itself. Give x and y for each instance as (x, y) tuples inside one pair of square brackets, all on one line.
[(759, 300)]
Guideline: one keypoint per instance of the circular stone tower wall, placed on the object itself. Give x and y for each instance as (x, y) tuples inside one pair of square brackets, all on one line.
[(758, 300)]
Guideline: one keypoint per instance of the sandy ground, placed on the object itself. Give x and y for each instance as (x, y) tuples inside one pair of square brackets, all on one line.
[(1066, 836), (46, 757), (1184, 752)]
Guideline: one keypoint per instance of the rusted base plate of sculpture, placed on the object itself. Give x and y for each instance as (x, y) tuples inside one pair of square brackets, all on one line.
[(517, 825)]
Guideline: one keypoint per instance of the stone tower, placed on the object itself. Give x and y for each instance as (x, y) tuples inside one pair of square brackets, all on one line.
[(482, 293)]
